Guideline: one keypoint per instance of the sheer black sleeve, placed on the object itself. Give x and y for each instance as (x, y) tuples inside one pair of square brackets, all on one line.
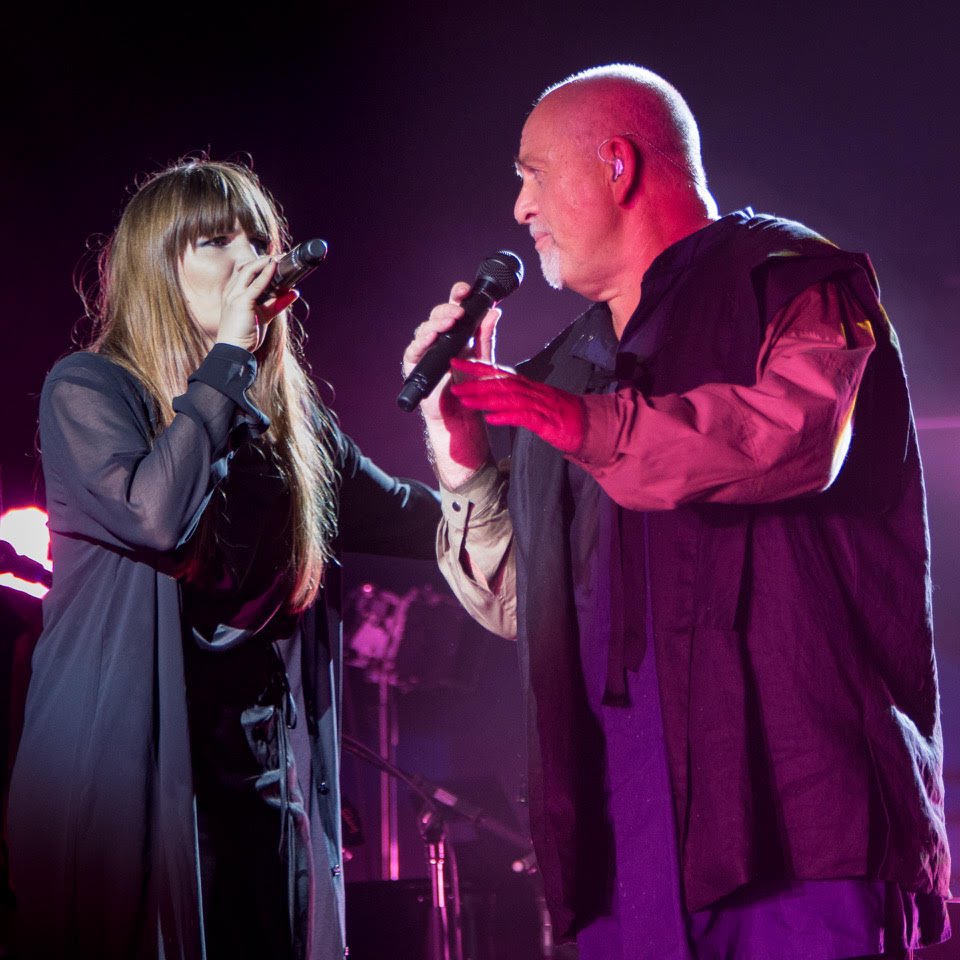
[(109, 478), (383, 514)]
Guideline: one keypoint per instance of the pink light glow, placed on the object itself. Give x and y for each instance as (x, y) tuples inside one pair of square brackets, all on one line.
[(939, 423), (25, 529)]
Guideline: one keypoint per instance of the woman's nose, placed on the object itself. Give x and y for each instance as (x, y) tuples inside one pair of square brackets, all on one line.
[(246, 251)]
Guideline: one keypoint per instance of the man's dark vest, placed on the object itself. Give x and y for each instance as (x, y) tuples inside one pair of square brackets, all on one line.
[(793, 640)]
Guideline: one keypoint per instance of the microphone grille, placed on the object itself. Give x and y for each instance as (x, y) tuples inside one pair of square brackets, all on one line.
[(313, 251), (502, 272)]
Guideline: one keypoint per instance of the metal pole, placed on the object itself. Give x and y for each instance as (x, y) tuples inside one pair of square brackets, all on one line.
[(387, 723), (444, 938)]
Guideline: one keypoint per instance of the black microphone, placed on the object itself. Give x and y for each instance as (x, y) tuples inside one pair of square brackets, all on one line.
[(292, 267), (470, 811), (497, 277), (26, 568)]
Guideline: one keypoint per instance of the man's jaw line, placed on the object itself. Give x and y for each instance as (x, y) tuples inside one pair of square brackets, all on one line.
[(549, 256)]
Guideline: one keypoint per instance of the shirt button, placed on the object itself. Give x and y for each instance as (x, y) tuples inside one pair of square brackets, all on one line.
[(324, 789), (456, 506), (335, 870)]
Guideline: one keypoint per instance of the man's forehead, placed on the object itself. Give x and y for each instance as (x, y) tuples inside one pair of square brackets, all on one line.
[(542, 135), (556, 124)]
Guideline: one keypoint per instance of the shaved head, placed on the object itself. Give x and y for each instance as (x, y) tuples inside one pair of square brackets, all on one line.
[(610, 171), (619, 98)]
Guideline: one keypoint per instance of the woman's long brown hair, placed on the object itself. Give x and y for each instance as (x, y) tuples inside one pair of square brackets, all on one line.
[(142, 322)]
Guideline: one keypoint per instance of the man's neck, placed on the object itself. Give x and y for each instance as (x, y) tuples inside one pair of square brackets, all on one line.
[(651, 242)]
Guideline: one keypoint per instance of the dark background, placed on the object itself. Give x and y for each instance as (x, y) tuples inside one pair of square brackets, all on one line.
[(389, 130)]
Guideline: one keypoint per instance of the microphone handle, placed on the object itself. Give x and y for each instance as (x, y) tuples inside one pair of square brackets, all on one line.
[(435, 362)]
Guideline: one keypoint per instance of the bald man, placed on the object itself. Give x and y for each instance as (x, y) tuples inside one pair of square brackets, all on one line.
[(710, 542)]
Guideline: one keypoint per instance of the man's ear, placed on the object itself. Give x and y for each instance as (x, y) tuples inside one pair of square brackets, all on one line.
[(626, 167)]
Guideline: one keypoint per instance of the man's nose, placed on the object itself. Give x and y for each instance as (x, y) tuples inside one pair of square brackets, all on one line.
[(524, 210)]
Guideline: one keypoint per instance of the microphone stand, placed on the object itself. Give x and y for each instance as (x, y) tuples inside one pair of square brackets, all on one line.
[(384, 616), (445, 937)]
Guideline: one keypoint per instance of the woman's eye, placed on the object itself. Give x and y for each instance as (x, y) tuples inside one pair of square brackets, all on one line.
[(219, 241)]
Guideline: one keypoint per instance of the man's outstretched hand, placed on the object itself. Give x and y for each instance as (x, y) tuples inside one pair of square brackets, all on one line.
[(508, 399)]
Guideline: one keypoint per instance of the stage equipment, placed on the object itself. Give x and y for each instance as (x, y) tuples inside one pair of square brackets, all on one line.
[(25, 551), (445, 929), (397, 659)]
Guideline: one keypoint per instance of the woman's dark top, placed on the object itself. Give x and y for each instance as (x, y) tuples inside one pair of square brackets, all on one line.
[(103, 818)]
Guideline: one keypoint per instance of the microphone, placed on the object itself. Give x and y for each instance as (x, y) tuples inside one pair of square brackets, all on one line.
[(497, 277), (292, 267), (470, 811), (26, 568)]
